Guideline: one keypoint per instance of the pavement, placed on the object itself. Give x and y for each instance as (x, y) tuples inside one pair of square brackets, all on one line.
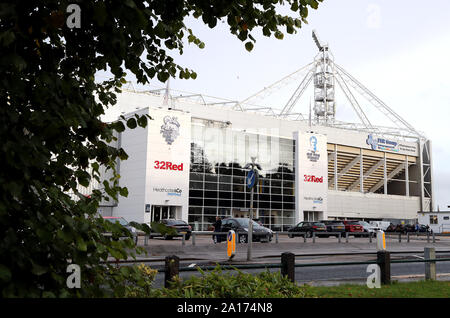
[(205, 251)]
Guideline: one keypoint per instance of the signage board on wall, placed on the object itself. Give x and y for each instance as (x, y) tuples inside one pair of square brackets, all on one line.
[(311, 173), (168, 160), (387, 144)]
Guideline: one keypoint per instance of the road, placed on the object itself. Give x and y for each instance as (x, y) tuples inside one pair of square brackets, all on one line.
[(206, 252), (328, 276)]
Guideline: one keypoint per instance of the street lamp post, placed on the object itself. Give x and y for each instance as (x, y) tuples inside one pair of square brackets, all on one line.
[(251, 181)]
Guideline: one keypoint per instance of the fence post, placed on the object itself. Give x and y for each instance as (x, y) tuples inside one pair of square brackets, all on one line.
[(370, 237), (430, 267), (193, 238), (183, 240), (399, 237), (407, 237), (346, 237), (288, 266), (172, 268), (428, 237), (276, 237), (304, 238), (314, 237), (339, 237), (434, 238), (146, 239), (384, 261)]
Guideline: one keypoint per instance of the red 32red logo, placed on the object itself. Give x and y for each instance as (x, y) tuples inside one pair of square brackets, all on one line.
[(167, 165), (309, 178)]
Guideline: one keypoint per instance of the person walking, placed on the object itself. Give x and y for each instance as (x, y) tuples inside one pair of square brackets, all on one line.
[(217, 228)]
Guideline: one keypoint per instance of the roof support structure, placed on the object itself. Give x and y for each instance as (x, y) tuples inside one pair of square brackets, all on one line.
[(367, 174), (394, 172), (346, 168)]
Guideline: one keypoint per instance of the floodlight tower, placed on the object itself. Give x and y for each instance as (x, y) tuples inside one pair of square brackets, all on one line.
[(324, 80)]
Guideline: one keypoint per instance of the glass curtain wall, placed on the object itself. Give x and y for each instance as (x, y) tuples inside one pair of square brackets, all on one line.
[(217, 178)]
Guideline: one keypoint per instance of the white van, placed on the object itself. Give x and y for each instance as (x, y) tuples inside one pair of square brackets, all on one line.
[(383, 225)]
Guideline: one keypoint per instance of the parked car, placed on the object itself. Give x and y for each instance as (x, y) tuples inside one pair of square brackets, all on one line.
[(307, 229), (125, 224), (240, 226), (382, 225), (334, 226), (180, 227), (408, 228), (368, 228), (353, 227)]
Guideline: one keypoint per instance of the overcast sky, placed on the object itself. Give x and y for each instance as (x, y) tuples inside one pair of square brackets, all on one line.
[(399, 49)]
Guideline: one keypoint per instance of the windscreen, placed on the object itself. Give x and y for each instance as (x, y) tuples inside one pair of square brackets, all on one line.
[(244, 223)]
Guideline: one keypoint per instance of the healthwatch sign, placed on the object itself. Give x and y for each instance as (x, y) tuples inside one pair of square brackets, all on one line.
[(382, 144)]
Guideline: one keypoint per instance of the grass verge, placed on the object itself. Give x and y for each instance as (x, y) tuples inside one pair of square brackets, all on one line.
[(420, 289)]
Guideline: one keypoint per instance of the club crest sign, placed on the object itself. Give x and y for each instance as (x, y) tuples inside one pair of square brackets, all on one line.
[(171, 129), (313, 154)]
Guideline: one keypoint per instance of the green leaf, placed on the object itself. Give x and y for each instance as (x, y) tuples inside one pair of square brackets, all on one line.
[(81, 244), (39, 270), (249, 46), (131, 123), (5, 273)]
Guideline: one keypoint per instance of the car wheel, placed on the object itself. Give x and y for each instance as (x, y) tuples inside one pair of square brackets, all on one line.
[(290, 235), (309, 234), (187, 237), (215, 240), (242, 239)]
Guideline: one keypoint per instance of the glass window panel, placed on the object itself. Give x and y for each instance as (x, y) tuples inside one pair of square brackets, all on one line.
[(196, 201), (195, 185), (238, 188), (196, 176), (211, 177), (200, 168), (225, 194), (210, 211), (211, 194), (195, 210), (211, 186), (224, 187), (238, 203), (224, 212), (224, 203), (196, 193), (210, 202), (238, 196)]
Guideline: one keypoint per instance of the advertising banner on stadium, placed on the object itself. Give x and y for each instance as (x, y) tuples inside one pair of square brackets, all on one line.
[(311, 164), (168, 159)]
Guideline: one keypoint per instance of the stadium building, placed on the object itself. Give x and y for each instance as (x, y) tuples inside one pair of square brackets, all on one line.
[(188, 163)]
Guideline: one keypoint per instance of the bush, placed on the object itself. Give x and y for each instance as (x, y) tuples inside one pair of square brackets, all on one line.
[(143, 287), (216, 284)]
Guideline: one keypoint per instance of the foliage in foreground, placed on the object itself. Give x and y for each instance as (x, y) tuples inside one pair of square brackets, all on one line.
[(218, 284), (53, 139)]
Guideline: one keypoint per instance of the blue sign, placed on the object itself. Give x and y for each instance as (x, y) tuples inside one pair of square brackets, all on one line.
[(251, 179), (381, 143)]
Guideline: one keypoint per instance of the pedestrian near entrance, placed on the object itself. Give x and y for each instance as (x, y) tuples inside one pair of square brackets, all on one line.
[(217, 227)]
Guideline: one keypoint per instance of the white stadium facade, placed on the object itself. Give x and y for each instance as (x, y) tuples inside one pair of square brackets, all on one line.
[(188, 163)]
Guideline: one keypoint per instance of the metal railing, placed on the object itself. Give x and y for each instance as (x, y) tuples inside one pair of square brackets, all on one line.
[(430, 237), (287, 266)]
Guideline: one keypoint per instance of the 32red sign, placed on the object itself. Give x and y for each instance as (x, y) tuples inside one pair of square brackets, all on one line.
[(309, 178), (167, 165)]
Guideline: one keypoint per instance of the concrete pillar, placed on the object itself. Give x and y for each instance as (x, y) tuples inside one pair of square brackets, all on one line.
[(430, 267), (288, 266)]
